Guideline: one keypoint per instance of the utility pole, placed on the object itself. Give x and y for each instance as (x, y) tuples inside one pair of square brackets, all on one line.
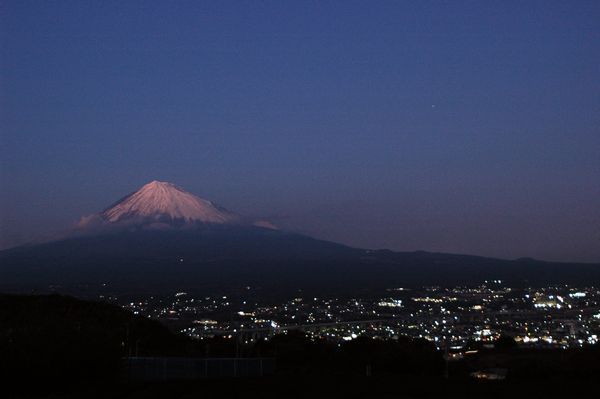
[(446, 359)]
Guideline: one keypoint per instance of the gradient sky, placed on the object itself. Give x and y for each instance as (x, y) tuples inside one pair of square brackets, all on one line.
[(459, 126)]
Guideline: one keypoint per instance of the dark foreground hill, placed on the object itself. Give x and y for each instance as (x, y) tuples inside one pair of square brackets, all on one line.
[(225, 257), (60, 340)]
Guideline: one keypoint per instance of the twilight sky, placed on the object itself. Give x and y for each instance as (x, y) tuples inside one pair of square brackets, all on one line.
[(457, 126)]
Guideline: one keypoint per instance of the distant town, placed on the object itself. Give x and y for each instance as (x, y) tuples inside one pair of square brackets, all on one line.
[(458, 320)]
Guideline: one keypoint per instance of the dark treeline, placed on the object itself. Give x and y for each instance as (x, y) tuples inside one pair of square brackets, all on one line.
[(56, 340)]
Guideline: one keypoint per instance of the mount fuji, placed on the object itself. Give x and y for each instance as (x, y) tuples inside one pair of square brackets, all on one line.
[(162, 239)]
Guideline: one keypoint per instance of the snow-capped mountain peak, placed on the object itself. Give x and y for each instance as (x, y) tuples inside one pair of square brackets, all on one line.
[(163, 200), (162, 205)]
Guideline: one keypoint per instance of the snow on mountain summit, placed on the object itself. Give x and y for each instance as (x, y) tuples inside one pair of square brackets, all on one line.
[(161, 200), (160, 205)]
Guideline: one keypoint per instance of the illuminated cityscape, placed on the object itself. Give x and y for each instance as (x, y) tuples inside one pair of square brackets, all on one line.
[(461, 318)]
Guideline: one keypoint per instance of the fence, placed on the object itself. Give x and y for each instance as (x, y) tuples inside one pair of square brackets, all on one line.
[(179, 368)]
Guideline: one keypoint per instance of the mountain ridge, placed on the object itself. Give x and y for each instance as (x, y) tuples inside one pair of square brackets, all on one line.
[(163, 238), (217, 258)]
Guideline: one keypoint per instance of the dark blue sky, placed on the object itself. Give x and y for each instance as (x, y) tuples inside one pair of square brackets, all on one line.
[(470, 127)]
